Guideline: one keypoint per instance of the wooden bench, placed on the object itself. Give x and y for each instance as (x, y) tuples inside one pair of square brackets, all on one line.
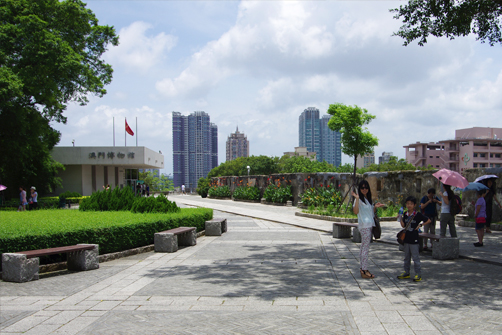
[(442, 247), (170, 240), (216, 227), (23, 266)]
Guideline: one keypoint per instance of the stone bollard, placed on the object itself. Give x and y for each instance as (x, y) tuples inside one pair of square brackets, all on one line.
[(446, 248), (84, 260), (341, 231), (263, 200), (356, 235), (289, 203), (18, 268), (165, 242)]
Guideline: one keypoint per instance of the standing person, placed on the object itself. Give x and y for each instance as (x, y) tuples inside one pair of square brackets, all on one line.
[(480, 216), (449, 206), (489, 197), (183, 189), (147, 190), (34, 198), (428, 206), (412, 219), (22, 199), (365, 211)]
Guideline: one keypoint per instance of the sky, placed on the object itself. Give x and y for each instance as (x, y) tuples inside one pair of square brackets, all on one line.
[(258, 64)]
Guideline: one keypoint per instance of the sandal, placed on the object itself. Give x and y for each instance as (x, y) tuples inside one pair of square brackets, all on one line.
[(365, 274)]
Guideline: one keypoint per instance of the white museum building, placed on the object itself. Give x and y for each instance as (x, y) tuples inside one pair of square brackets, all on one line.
[(88, 169)]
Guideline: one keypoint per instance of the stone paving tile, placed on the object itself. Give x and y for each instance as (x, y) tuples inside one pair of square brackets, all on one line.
[(42, 329), (62, 318), (76, 325), (25, 324), (105, 305)]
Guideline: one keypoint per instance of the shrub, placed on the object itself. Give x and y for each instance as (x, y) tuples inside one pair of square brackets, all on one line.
[(219, 191), (247, 193), (322, 196), (113, 232), (69, 194), (203, 187), (159, 204), (106, 200), (277, 194)]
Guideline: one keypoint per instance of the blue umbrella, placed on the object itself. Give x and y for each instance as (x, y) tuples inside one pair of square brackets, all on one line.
[(474, 187), (486, 176)]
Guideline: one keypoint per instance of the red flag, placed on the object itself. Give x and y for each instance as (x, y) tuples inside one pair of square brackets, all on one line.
[(128, 129)]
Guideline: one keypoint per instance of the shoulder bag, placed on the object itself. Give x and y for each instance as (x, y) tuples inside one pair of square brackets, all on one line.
[(402, 233), (377, 229)]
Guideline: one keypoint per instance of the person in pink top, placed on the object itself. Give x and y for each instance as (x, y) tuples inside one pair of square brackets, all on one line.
[(480, 216), (22, 199)]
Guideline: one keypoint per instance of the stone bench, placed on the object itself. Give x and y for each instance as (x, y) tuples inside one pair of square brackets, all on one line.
[(23, 266), (216, 227), (170, 240)]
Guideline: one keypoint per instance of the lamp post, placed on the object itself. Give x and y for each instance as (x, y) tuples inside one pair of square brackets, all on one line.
[(73, 142), (249, 168)]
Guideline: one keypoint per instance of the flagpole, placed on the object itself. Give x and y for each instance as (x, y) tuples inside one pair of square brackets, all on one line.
[(125, 134), (136, 131), (114, 131)]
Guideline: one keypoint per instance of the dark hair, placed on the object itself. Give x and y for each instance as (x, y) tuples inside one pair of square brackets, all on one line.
[(361, 195), (431, 190), (451, 198), (493, 188), (412, 199), (481, 192)]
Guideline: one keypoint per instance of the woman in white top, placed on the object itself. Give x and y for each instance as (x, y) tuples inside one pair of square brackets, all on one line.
[(365, 211)]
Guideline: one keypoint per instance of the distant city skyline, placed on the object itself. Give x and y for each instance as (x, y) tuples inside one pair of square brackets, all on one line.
[(195, 149), (315, 135)]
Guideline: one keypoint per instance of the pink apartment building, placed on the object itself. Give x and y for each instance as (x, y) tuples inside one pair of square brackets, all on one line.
[(475, 147)]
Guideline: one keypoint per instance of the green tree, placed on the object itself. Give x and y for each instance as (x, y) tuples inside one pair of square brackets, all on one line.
[(294, 164), (349, 121), (259, 165), (50, 55), (450, 18)]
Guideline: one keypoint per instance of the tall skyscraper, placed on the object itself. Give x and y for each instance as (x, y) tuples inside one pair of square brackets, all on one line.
[(315, 135), (310, 132), (195, 148), (237, 145)]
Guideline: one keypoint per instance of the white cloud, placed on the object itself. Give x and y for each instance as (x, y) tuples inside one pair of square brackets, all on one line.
[(138, 51)]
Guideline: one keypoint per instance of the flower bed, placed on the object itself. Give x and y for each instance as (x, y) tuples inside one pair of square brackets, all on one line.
[(219, 192), (246, 193)]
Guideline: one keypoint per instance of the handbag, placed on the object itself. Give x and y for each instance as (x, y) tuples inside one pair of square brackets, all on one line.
[(377, 229), (480, 219), (402, 233)]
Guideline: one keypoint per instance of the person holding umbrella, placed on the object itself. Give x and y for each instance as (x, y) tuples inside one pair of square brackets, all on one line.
[(449, 207), (489, 197)]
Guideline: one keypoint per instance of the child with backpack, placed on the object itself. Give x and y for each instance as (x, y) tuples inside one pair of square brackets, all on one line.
[(412, 221), (450, 207)]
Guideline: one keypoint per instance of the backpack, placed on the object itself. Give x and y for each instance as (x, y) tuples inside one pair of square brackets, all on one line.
[(458, 208)]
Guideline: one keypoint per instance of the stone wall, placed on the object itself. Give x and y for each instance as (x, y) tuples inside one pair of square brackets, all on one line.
[(392, 186)]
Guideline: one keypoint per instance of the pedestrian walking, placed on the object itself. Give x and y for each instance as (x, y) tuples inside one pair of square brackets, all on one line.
[(34, 198), (489, 197), (365, 211), (480, 215), (428, 205), (412, 221), (448, 210), (183, 189), (22, 199)]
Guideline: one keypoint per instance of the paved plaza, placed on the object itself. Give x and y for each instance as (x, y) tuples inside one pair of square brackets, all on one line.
[(271, 273)]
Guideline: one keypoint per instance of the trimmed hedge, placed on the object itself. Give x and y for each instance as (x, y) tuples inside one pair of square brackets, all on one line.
[(113, 231)]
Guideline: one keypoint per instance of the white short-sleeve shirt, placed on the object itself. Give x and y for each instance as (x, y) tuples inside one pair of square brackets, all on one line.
[(366, 215)]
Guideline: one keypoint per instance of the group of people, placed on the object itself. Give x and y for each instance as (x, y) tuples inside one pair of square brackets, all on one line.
[(412, 221), (32, 201)]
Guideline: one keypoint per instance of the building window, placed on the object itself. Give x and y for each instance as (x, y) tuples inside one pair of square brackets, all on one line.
[(437, 156), (491, 155), (475, 154), (437, 165), (431, 156), (482, 165), (497, 155), (482, 154), (475, 165)]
